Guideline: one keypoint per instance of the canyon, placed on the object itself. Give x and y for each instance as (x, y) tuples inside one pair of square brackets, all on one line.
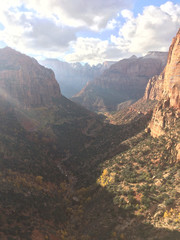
[(124, 81), (72, 77), (69, 173)]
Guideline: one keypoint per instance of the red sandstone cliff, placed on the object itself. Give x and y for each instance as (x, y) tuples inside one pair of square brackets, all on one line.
[(166, 89), (123, 81), (167, 85), (172, 74), (24, 82)]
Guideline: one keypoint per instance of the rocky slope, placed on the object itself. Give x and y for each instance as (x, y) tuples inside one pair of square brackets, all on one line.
[(72, 77), (123, 81), (145, 177), (25, 82), (166, 89)]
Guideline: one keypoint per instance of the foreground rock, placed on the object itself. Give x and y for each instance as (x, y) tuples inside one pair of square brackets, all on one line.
[(166, 89)]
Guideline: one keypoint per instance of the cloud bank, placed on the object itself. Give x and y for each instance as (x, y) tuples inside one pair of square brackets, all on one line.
[(72, 29), (150, 31)]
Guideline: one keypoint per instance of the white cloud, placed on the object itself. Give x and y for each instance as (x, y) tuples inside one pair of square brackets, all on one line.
[(30, 31), (112, 24), (94, 14), (49, 27), (93, 51), (151, 30), (89, 50), (127, 14)]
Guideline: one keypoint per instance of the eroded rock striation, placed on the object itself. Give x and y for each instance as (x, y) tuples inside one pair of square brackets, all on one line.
[(166, 89), (24, 82), (123, 81)]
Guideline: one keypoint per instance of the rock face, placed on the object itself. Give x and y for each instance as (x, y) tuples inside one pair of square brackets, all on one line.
[(172, 74), (167, 85), (154, 88), (178, 152), (72, 77), (123, 81), (24, 82), (166, 89)]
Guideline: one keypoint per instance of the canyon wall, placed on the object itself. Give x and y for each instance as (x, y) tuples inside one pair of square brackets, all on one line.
[(24, 82)]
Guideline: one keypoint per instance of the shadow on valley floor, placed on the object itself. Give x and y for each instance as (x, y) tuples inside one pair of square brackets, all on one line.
[(110, 141), (101, 219), (85, 214)]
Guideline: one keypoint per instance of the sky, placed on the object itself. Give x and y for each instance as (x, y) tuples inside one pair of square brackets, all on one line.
[(90, 31)]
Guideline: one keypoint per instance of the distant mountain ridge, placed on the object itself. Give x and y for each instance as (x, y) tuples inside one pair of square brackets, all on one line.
[(123, 81), (157, 55), (72, 77)]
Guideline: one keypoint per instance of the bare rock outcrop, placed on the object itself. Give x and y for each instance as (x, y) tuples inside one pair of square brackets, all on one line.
[(166, 89), (167, 85), (24, 82)]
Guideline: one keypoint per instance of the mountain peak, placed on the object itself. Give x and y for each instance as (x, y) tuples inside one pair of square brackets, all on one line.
[(156, 54), (133, 57), (7, 48), (10, 51)]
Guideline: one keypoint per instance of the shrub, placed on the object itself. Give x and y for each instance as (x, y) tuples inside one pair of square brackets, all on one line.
[(169, 201)]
